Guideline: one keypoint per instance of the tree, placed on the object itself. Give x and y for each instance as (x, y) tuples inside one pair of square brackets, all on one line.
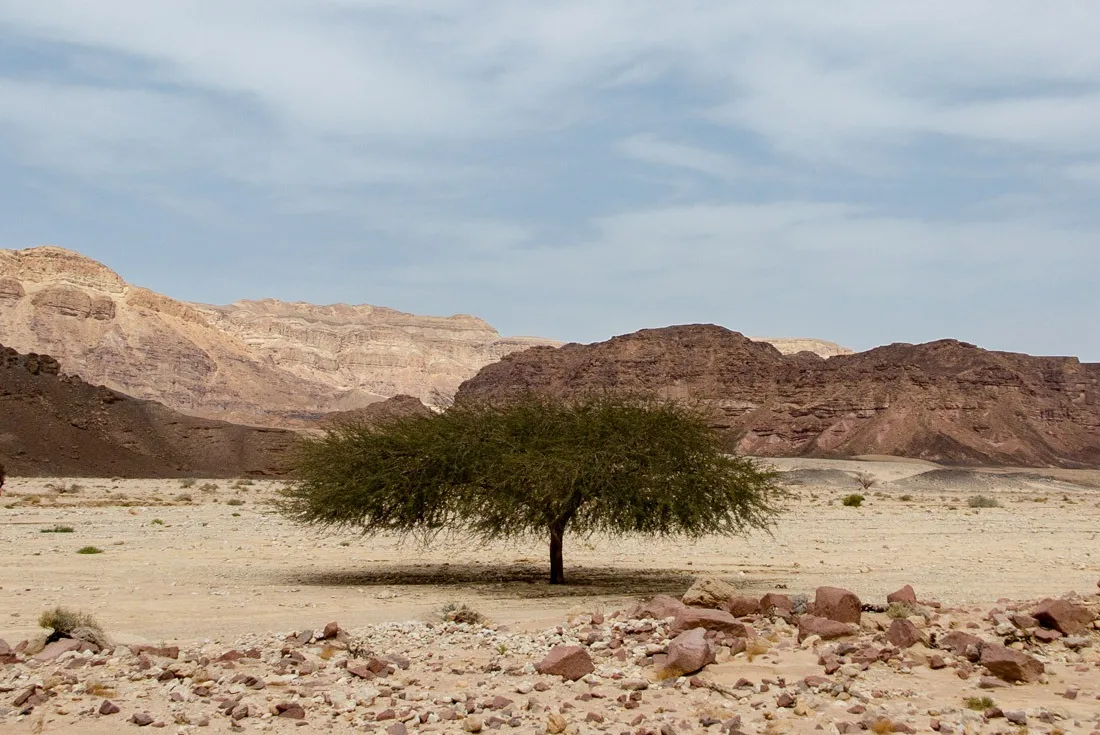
[(536, 465)]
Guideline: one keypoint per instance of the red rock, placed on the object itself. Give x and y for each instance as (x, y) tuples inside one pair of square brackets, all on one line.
[(936, 662), (361, 670), (331, 631), (719, 620), (904, 634), (1024, 622), (837, 604), (689, 652), (290, 710), (141, 719), (824, 628), (784, 700), (1010, 665), (108, 708), (386, 714), (397, 728), (55, 649), (958, 642), (775, 601), (905, 595), (1068, 618), (568, 662), (658, 608), (740, 607), (1043, 635)]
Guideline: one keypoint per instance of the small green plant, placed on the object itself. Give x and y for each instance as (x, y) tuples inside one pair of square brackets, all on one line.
[(982, 501), (184, 498), (980, 704), (906, 498), (853, 501), (235, 515), (502, 648), (208, 487), (156, 522), (89, 550), (57, 529), (234, 501), (187, 482), (898, 610), (454, 612)]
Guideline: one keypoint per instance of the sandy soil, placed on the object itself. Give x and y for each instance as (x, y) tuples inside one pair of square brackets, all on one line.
[(222, 563)]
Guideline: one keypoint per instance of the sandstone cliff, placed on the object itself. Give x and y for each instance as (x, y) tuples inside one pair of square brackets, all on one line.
[(944, 401), (57, 425), (264, 362)]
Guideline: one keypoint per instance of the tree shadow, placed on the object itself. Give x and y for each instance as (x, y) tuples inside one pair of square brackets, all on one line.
[(521, 581)]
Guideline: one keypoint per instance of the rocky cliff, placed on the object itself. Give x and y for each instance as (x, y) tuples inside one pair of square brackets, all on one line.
[(944, 401), (264, 362), (57, 425)]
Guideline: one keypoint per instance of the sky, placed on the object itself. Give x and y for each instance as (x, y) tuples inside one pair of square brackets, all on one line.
[(865, 172)]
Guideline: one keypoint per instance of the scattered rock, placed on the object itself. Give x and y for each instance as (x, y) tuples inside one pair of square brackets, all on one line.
[(688, 652), (1010, 665), (904, 634), (718, 620), (837, 604), (824, 628), (905, 595), (709, 592), (108, 708), (1068, 618), (141, 719), (568, 662), (658, 608)]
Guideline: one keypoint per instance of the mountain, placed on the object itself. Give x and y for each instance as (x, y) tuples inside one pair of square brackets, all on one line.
[(52, 424), (264, 362), (945, 401)]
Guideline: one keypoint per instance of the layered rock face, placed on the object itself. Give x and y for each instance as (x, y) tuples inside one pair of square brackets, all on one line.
[(57, 425), (365, 348), (263, 362), (944, 401)]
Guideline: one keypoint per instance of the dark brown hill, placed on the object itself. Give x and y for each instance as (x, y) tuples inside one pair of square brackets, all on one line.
[(391, 408), (944, 401), (54, 424)]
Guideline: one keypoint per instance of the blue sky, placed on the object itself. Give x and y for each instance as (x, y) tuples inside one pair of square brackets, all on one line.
[(866, 172)]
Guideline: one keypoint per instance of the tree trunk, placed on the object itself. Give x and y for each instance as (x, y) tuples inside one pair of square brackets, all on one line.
[(557, 566)]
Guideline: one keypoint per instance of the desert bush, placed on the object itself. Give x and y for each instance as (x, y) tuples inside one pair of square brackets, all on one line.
[(536, 465), (866, 480), (853, 501), (905, 498), (57, 529), (898, 610), (981, 704), (982, 501), (454, 612), (187, 482), (63, 489), (156, 522), (245, 482), (208, 487), (66, 623), (184, 498), (234, 501), (89, 550)]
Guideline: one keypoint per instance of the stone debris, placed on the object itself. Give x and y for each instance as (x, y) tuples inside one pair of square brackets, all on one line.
[(674, 669)]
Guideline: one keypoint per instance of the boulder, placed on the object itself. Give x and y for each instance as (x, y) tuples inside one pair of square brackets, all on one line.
[(719, 620), (1010, 665), (774, 601), (55, 649), (905, 595), (824, 628), (709, 592), (739, 607), (689, 652), (658, 608), (904, 634), (837, 604), (109, 708), (568, 662), (958, 642), (1068, 618)]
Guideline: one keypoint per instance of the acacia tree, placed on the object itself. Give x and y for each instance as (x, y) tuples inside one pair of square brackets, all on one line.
[(533, 466)]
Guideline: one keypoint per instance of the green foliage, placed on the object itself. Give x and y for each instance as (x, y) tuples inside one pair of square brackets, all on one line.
[(853, 501), (234, 501), (613, 464), (66, 623), (982, 501), (56, 529), (89, 550), (981, 704), (454, 612)]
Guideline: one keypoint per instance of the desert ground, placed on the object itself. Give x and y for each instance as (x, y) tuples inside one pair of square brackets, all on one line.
[(208, 565)]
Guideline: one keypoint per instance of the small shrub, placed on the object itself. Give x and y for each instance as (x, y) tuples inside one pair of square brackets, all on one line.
[(244, 483), (982, 501), (184, 498), (67, 623), (64, 489), (89, 550), (898, 610), (906, 498), (187, 482), (866, 480), (156, 522), (883, 726), (853, 501), (980, 704), (208, 487), (234, 501), (57, 529), (454, 612)]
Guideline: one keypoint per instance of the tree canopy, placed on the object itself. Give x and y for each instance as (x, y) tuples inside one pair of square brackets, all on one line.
[(534, 466)]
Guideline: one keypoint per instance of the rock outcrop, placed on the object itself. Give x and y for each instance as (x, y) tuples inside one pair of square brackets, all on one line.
[(53, 424), (944, 401), (264, 362)]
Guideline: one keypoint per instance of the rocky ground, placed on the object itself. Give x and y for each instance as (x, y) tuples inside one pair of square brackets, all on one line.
[(191, 592)]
